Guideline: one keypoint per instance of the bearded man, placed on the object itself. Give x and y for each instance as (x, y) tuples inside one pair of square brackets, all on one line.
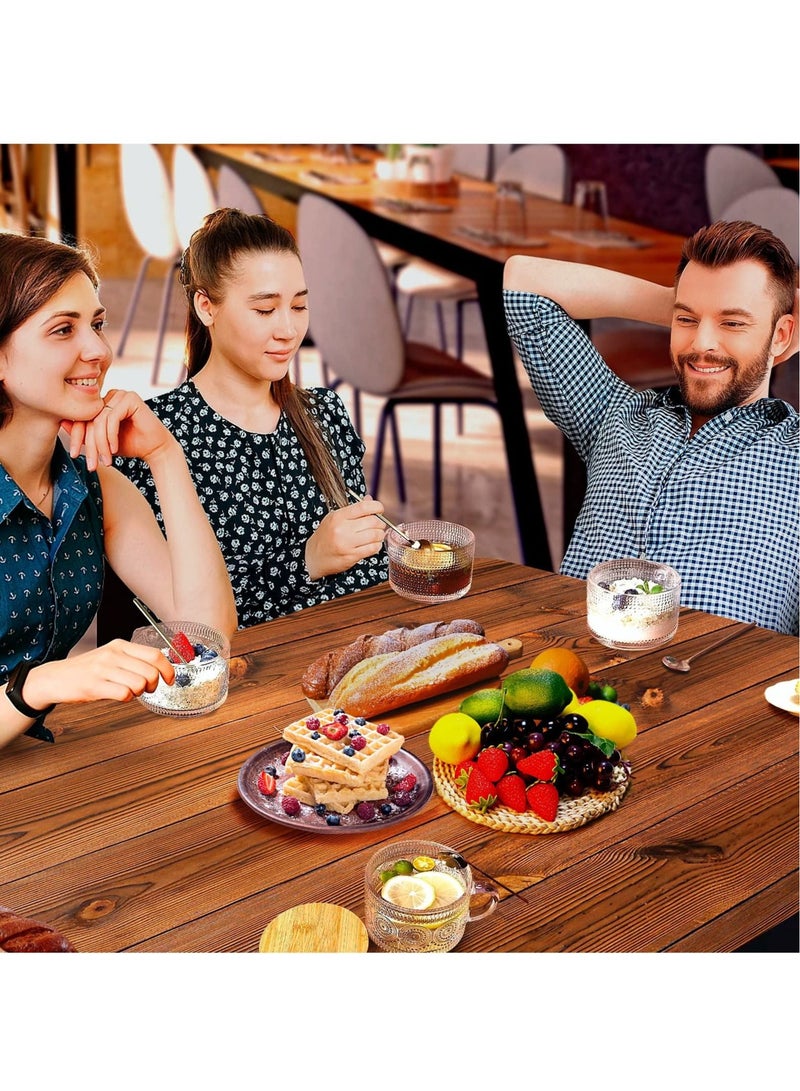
[(702, 476)]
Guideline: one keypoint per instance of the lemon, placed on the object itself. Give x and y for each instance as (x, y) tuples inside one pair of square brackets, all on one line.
[(455, 737), (423, 863), (446, 888), (485, 706), (409, 892), (573, 705), (610, 721), (536, 692)]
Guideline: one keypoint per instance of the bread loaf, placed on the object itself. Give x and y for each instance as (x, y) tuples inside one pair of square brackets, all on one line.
[(323, 674), (391, 680), (23, 935)]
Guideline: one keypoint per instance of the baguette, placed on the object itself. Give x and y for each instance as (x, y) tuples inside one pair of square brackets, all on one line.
[(321, 677), (393, 679), (21, 934)]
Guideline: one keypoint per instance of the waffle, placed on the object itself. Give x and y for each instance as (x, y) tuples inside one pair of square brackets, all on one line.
[(377, 752), (316, 768), (336, 797)]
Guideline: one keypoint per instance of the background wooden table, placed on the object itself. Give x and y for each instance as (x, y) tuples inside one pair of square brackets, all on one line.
[(129, 834)]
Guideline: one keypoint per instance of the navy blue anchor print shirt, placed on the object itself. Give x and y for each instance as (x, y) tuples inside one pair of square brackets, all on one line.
[(51, 570)]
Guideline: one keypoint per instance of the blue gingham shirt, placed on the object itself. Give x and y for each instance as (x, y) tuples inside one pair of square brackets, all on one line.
[(721, 506)]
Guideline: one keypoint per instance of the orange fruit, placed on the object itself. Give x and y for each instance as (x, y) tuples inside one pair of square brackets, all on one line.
[(566, 663)]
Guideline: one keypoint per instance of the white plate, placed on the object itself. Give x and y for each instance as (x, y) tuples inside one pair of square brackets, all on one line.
[(782, 695)]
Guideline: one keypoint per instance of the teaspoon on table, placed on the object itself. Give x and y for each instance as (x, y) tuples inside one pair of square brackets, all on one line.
[(415, 543), (683, 664)]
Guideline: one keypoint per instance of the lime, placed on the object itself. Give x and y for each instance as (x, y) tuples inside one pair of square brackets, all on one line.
[(536, 692), (485, 706), (403, 867), (608, 693), (446, 888), (385, 876), (409, 891), (423, 863), (455, 737), (610, 721)]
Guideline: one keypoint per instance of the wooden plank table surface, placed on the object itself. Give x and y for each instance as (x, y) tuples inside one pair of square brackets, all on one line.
[(129, 834), (285, 172)]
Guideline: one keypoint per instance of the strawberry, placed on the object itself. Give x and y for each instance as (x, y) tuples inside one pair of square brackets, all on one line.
[(543, 765), (542, 799), (334, 731), (480, 792), (461, 772), (511, 792), (184, 647), (267, 784), (406, 784), (492, 762)]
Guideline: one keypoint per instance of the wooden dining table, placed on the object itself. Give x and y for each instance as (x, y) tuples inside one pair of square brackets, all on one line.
[(437, 223), (129, 832)]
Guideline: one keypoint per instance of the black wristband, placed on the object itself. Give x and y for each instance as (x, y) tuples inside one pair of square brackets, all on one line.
[(14, 687)]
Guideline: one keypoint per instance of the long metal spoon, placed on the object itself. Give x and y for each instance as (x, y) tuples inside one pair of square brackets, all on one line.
[(154, 622), (415, 543), (683, 664)]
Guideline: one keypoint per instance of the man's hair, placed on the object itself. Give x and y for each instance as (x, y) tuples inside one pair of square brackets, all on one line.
[(728, 241)]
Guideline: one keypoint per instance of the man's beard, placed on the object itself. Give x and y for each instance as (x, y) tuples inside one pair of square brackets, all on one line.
[(743, 380)]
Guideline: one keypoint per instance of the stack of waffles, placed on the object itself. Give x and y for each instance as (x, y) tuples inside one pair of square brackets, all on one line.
[(338, 760)]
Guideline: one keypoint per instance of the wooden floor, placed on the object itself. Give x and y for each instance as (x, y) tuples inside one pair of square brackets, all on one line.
[(475, 487)]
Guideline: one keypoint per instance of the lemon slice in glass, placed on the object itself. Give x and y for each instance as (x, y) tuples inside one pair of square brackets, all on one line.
[(409, 892), (446, 888)]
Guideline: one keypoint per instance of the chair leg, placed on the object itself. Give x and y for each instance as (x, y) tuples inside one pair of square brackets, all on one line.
[(442, 327), (137, 289), (398, 460), (407, 319), (437, 461), (379, 437), (166, 295)]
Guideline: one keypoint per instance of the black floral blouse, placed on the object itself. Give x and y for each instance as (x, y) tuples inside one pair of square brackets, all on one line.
[(261, 499)]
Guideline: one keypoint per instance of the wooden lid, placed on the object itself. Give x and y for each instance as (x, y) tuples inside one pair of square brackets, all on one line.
[(315, 927)]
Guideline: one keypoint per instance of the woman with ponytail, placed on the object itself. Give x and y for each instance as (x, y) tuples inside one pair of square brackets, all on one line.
[(271, 462)]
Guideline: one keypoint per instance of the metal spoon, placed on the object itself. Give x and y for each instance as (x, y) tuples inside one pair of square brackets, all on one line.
[(415, 543), (683, 664), (154, 622)]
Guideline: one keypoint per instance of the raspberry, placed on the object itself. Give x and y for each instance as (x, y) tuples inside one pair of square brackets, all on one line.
[(406, 784), (404, 799), (291, 806), (312, 722), (342, 718), (358, 742), (365, 811), (383, 729)]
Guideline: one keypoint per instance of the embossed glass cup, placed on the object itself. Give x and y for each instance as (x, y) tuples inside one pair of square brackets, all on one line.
[(440, 926), (440, 572), (633, 604), (202, 685)]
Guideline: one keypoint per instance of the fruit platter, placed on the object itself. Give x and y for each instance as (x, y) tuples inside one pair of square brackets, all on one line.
[(541, 753)]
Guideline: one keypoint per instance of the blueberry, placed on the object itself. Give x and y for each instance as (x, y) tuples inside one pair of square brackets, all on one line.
[(199, 648), (349, 751), (386, 808), (618, 602), (320, 808), (333, 820), (298, 754), (315, 734), (632, 591), (338, 711), (207, 654), (604, 584), (182, 679), (360, 721), (271, 770)]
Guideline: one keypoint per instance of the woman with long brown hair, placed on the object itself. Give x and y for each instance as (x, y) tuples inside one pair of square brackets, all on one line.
[(63, 512), (271, 462)]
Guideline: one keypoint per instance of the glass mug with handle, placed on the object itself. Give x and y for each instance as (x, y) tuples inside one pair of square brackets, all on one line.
[(419, 897)]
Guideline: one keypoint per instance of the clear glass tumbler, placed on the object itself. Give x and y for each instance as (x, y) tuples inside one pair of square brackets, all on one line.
[(440, 925), (439, 572), (199, 686), (632, 604)]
